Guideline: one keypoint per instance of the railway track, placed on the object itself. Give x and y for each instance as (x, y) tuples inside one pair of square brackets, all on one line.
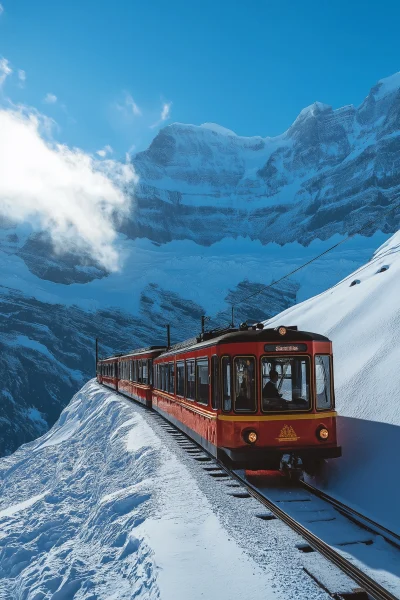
[(372, 588), (368, 587), (355, 516)]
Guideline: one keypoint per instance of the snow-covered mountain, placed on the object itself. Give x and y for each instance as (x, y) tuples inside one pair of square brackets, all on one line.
[(331, 172), (361, 314), (47, 351), (214, 216)]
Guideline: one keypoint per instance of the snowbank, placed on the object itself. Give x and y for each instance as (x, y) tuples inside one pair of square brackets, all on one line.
[(104, 507), (363, 321)]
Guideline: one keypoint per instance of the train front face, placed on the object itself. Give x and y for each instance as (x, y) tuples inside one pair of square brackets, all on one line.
[(278, 404)]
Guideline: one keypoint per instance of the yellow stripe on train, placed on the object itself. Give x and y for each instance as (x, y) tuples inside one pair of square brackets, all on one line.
[(281, 417)]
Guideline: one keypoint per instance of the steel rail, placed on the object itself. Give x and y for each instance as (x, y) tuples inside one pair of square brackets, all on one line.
[(371, 587), (390, 536)]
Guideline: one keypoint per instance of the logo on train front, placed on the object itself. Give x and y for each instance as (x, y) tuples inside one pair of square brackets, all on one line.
[(287, 434)]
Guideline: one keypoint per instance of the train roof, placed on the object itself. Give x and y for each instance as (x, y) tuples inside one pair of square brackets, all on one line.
[(250, 335), (146, 350), (229, 336)]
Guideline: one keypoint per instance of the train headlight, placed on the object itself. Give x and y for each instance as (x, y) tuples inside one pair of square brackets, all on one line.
[(250, 437), (282, 330), (322, 433)]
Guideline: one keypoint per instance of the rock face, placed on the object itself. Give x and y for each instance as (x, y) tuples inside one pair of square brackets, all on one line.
[(332, 171), (47, 351)]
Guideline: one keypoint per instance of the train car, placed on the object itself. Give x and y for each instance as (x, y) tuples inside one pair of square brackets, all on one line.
[(107, 372), (254, 397), (135, 373)]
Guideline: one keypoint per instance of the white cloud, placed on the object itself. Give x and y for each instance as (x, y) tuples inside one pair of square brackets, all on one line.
[(64, 191), (5, 70), (129, 107), (166, 110), (164, 116), (131, 104), (104, 151), (50, 98), (1, 9), (21, 77)]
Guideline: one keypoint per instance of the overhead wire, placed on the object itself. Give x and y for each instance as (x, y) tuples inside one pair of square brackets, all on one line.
[(306, 264)]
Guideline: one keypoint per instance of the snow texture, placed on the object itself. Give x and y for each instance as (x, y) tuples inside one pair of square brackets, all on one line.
[(107, 505), (363, 322)]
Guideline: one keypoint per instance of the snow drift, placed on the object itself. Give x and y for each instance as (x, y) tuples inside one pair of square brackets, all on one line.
[(362, 316), (105, 507)]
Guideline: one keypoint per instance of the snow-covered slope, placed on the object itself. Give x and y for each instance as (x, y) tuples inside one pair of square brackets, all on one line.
[(331, 172), (108, 506), (48, 328), (208, 218), (363, 321)]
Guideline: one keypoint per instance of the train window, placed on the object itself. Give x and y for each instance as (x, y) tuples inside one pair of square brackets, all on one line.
[(180, 378), (245, 384), (140, 372), (145, 372), (135, 370), (202, 380), (190, 380), (214, 382), (285, 383), (226, 383), (150, 371), (171, 378), (164, 377), (323, 382)]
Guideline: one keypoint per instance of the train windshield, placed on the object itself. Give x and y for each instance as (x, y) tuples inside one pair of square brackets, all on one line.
[(285, 383)]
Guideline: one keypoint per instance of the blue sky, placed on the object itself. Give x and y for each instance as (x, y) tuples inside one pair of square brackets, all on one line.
[(114, 67)]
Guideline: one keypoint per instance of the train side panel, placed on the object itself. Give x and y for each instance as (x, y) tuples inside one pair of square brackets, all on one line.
[(198, 423)]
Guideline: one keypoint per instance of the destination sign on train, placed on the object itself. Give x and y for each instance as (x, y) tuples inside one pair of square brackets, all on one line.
[(285, 347)]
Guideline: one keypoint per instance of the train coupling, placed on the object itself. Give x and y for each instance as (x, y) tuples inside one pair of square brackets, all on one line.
[(291, 466)]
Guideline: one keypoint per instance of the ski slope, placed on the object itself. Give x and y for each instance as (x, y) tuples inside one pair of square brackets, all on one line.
[(363, 322)]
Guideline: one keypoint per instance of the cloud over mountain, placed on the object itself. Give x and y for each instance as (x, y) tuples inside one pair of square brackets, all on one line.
[(77, 199)]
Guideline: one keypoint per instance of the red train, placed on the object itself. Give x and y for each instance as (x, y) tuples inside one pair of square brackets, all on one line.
[(251, 397)]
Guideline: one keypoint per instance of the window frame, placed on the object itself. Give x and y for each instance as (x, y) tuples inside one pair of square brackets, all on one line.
[(222, 383), (332, 388), (311, 408), (215, 387), (145, 368), (190, 360), (233, 375), (199, 359), (170, 366), (180, 363)]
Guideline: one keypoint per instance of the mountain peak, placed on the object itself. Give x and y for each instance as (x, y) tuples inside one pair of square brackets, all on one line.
[(313, 109), (218, 129), (386, 86)]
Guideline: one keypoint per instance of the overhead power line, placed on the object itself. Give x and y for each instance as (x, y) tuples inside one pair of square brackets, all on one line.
[(309, 262)]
